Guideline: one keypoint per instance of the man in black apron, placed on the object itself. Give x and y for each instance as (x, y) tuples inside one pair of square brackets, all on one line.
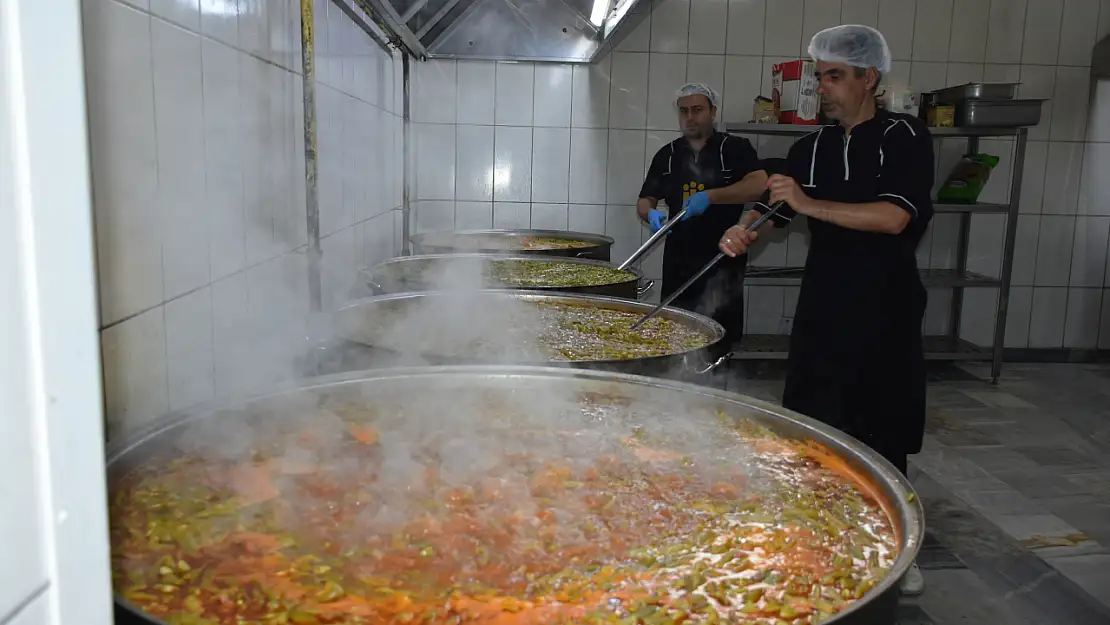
[(856, 359), (712, 174)]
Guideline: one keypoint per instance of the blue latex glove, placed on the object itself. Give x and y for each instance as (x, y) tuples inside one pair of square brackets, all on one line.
[(696, 204), (656, 219)]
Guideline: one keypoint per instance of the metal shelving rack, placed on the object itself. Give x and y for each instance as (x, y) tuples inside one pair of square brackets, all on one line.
[(944, 347)]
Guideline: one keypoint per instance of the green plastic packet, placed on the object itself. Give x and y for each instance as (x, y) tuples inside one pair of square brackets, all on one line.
[(968, 178)]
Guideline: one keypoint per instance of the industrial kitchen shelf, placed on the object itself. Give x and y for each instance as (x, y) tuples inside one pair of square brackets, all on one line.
[(797, 130), (933, 278), (776, 347), (971, 208), (950, 346)]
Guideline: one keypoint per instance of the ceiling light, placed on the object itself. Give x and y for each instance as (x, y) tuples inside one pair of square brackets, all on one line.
[(597, 16)]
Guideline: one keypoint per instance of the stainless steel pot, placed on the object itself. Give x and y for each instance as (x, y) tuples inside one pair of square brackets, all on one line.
[(637, 396), (510, 242), (408, 274), (367, 333)]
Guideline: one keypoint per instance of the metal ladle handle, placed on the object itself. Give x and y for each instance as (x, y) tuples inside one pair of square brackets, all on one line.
[(756, 225), (650, 243)]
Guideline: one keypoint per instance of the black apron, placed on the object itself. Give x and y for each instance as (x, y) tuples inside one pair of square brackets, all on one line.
[(677, 172), (856, 357)]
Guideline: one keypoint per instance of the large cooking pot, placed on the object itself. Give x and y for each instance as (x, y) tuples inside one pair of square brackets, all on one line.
[(573, 244), (398, 326), (618, 398), (436, 272)]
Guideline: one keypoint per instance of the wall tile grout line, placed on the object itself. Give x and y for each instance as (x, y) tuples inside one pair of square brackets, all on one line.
[(155, 16), (242, 272), (157, 201)]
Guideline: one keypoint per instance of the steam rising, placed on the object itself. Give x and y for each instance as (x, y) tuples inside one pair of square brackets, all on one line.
[(472, 431), (470, 434)]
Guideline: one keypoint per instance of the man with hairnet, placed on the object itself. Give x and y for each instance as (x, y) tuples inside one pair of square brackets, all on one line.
[(856, 358), (712, 175)]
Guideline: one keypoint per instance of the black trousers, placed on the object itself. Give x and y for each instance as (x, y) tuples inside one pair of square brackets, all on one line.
[(899, 459)]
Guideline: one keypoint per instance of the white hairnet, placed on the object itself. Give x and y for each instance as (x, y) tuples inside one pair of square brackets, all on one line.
[(851, 44), (697, 88)]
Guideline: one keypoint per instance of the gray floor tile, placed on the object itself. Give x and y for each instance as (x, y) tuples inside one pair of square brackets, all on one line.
[(962, 597), (1009, 572), (1091, 572), (1015, 479), (1045, 483), (910, 613), (997, 399), (1034, 529), (1089, 513), (1003, 501), (999, 459)]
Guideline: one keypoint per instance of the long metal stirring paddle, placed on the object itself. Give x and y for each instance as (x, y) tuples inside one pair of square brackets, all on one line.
[(701, 272), (650, 243)]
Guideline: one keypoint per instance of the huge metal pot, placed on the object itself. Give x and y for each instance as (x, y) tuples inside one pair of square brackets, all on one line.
[(594, 246), (434, 272), (371, 326), (639, 397)]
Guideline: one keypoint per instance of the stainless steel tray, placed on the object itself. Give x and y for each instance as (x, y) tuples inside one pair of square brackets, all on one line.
[(974, 91), (998, 113)]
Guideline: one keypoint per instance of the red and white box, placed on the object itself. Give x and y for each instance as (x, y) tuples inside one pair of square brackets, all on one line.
[(794, 90)]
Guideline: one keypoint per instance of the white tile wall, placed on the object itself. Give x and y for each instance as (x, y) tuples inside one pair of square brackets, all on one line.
[(553, 95), (512, 215), (551, 165), (119, 64), (1081, 326), (709, 19), (477, 92), (1041, 44), (972, 19), (512, 165), (1005, 32), (549, 216), (196, 125), (620, 112), (1079, 32), (1062, 178), (514, 102), (474, 156), (670, 26), (783, 29)]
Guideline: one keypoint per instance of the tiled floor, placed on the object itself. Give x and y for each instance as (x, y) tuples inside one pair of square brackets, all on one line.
[(1015, 479)]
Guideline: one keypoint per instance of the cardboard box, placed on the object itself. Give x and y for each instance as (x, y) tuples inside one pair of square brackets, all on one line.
[(794, 90)]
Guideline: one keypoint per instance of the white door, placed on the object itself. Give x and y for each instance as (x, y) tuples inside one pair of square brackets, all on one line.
[(53, 519)]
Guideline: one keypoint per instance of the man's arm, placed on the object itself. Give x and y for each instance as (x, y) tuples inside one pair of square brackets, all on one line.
[(770, 167), (748, 189), (881, 217), (740, 237), (645, 205), (652, 189)]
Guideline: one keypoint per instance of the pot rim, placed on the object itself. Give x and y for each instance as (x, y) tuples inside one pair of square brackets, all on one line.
[(372, 273), (423, 238), (679, 315)]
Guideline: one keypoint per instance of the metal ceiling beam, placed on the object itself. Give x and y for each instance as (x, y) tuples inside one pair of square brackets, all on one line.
[(367, 25), (413, 10), (440, 14), (385, 12)]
